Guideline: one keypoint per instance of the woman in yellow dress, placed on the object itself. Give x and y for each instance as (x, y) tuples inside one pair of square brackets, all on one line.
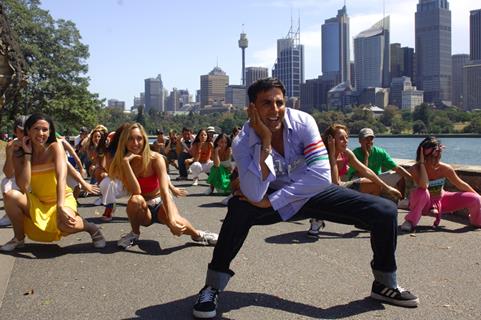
[(44, 209)]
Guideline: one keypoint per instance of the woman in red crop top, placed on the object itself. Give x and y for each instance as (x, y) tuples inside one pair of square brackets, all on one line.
[(336, 138), (201, 155), (144, 175)]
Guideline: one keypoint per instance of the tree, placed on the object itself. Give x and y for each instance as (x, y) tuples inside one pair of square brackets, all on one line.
[(389, 113), (423, 113), (56, 60), (419, 127)]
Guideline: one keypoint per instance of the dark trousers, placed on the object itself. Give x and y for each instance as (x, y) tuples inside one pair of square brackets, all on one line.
[(181, 160), (336, 204)]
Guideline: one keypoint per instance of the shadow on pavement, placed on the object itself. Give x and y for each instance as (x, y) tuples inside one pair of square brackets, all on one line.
[(228, 301), (52, 250), (430, 229), (301, 237)]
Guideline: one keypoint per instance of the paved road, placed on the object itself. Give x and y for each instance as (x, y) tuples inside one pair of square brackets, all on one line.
[(281, 274)]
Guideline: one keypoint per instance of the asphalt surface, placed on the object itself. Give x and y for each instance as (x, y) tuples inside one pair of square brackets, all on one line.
[(280, 273)]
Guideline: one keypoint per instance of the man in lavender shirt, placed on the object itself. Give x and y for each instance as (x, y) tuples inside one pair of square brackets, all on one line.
[(285, 175)]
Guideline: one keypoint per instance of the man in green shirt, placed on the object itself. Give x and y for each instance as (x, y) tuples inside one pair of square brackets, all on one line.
[(378, 160)]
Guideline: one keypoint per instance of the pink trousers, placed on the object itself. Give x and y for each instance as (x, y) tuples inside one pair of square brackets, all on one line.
[(421, 203)]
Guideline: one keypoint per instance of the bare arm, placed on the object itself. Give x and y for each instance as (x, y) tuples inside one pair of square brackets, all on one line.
[(132, 184), (364, 171), (8, 167), (403, 172), (71, 171), (452, 176), (168, 204), (23, 164), (333, 161), (419, 173), (265, 136)]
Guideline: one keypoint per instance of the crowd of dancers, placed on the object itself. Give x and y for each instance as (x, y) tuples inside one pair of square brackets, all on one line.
[(278, 167)]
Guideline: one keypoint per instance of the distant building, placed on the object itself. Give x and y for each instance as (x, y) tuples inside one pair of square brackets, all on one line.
[(372, 57), (341, 97), (235, 95), (212, 87), (472, 70), (335, 47), (404, 95), (475, 34), (314, 93), (433, 50), (457, 92), (411, 98), (374, 96), (154, 94), (402, 61), (114, 103), (398, 85), (255, 73), (289, 66)]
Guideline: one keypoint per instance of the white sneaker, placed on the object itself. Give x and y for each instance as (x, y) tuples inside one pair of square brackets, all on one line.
[(196, 182), (128, 240), (316, 226), (206, 238), (5, 221), (12, 245), (225, 201), (208, 191), (407, 226)]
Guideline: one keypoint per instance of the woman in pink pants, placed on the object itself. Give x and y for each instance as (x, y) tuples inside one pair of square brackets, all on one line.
[(430, 175)]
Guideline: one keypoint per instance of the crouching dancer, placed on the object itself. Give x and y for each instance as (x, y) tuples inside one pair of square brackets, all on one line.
[(44, 209), (285, 175), (144, 175)]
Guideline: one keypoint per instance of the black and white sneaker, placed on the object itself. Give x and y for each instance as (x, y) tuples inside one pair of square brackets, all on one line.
[(316, 225), (206, 305), (397, 296)]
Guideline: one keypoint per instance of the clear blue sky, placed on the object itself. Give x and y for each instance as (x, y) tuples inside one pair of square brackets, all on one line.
[(130, 40)]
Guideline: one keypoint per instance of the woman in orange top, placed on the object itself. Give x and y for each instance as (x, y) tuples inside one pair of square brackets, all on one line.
[(201, 156)]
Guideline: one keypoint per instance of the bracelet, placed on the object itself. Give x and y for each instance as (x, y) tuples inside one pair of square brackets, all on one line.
[(29, 153)]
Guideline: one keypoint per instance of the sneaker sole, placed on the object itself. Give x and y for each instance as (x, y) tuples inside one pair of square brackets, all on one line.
[(204, 314), (312, 235), (401, 303)]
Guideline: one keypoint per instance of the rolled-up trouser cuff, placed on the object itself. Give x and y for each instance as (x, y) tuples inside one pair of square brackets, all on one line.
[(217, 279), (386, 278)]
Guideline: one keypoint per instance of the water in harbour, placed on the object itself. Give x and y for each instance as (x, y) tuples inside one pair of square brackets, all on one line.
[(459, 150)]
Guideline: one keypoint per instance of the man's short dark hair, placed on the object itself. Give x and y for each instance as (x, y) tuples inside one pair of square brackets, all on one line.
[(264, 85)]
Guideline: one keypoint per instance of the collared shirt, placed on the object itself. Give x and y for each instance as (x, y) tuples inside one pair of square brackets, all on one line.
[(301, 173)]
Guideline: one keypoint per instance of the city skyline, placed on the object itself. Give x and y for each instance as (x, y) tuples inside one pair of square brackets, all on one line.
[(131, 41)]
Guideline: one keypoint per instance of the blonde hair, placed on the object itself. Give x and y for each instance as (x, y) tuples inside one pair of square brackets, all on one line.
[(116, 171), (331, 132)]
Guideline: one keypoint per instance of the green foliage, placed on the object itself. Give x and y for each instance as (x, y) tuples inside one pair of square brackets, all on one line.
[(57, 66), (419, 127), (423, 113), (389, 113)]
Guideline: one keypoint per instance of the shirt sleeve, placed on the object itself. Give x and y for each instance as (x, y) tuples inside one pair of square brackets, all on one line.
[(387, 163), (314, 178), (252, 185)]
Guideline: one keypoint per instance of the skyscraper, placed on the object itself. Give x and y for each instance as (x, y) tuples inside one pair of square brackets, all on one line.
[(212, 87), (154, 94), (372, 56), (475, 35), (472, 70), (335, 47), (289, 66), (243, 45), (433, 50), (255, 73), (402, 61), (458, 63)]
